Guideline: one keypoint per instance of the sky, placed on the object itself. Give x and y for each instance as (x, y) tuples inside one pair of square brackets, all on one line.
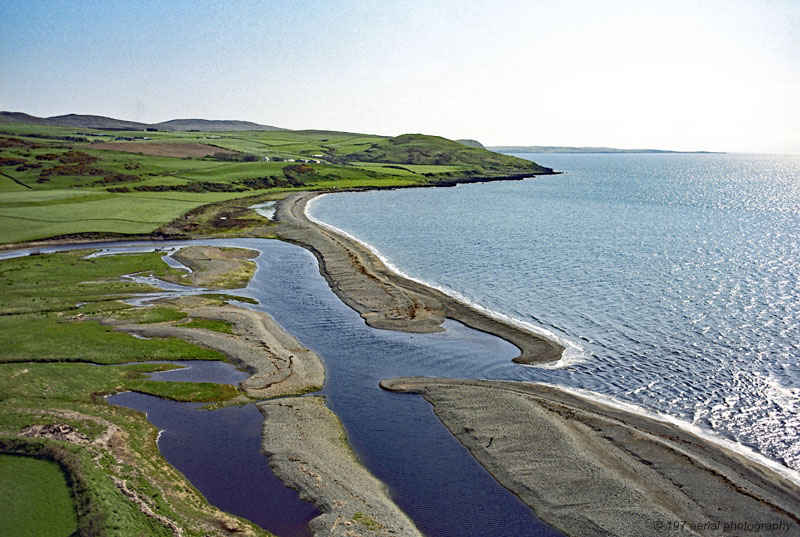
[(687, 75)]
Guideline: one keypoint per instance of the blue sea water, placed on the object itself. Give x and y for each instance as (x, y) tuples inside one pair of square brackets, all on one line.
[(673, 279)]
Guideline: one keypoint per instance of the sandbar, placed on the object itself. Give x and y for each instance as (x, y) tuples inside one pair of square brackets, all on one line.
[(591, 469), (390, 301), (308, 450), (277, 363)]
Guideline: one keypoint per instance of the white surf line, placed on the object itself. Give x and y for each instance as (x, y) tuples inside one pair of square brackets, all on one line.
[(568, 359), (266, 209), (573, 353), (709, 435)]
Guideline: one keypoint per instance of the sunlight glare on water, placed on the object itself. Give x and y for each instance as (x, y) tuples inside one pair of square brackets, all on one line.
[(676, 275)]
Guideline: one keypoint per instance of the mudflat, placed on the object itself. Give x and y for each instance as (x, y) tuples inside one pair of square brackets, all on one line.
[(591, 469), (387, 300)]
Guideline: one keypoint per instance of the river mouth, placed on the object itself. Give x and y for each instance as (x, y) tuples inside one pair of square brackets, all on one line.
[(429, 474)]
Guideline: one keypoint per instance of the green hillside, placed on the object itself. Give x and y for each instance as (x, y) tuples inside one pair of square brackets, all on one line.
[(438, 151), (57, 181)]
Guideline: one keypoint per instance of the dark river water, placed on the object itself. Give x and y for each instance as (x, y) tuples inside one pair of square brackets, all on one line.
[(430, 475)]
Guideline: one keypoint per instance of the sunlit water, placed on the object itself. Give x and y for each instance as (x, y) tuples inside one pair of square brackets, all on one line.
[(674, 279)]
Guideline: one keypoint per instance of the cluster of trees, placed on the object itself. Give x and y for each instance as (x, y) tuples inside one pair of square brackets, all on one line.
[(18, 142), (117, 178)]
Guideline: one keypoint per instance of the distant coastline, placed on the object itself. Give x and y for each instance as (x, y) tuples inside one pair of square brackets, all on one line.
[(567, 149)]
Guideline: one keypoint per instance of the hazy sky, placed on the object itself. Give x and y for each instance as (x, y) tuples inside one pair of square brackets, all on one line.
[(714, 75)]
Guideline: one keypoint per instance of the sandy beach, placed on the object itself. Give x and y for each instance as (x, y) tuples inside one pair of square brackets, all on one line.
[(387, 300), (589, 469), (582, 466)]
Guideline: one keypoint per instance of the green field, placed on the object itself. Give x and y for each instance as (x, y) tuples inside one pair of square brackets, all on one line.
[(210, 324), (35, 500), (49, 301), (56, 181), (408, 169), (51, 342), (59, 352), (80, 382), (89, 212)]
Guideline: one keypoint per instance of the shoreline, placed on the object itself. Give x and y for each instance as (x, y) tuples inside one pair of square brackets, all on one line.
[(700, 462), (163, 233), (387, 300), (389, 296), (591, 469)]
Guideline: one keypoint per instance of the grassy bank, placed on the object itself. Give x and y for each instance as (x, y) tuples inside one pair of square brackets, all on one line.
[(34, 499), (57, 314)]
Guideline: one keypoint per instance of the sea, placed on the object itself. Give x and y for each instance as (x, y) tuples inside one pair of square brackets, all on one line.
[(673, 280)]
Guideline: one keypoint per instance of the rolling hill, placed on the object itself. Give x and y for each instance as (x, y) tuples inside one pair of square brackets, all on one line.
[(212, 125), (96, 177), (108, 123)]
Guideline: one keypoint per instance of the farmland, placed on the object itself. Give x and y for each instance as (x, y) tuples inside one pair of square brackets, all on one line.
[(91, 183), (34, 498)]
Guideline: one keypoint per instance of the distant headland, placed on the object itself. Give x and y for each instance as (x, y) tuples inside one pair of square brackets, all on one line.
[(566, 149)]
